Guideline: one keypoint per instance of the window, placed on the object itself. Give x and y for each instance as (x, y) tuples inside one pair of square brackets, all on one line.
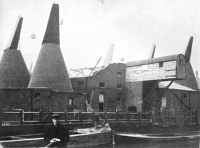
[(119, 97), (37, 95), (119, 85), (80, 83), (183, 95), (119, 74), (101, 84), (160, 64)]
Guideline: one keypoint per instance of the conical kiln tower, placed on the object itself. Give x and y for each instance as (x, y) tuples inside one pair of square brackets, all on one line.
[(13, 70), (50, 70)]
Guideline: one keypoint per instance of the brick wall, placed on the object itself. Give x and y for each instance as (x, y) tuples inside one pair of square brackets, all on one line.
[(33, 100)]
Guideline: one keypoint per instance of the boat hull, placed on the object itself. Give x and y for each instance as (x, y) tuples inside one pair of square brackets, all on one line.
[(76, 141), (136, 137)]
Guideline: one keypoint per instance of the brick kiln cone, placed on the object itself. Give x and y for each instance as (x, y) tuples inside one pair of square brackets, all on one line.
[(13, 70), (50, 70)]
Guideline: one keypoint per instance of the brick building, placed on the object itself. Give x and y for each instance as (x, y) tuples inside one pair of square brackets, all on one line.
[(165, 87), (105, 89)]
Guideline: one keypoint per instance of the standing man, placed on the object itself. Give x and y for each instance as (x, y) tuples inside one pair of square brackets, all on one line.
[(101, 102), (56, 134)]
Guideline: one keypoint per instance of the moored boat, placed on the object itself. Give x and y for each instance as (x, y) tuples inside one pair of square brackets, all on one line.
[(76, 140), (154, 137)]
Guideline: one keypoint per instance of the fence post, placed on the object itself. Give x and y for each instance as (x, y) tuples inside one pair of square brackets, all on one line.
[(195, 117), (1, 118), (22, 117), (105, 116), (127, 117), (40, 116), (117, 116), (139, 118), (80, 116), (65, 116)]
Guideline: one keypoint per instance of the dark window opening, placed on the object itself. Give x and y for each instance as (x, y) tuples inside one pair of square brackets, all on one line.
[(119, 74), (101, 84), (119, 96), (184, 95), (118, 99), (160, 64), (80, 83), (36, 95), (119, 85), (132, 109)]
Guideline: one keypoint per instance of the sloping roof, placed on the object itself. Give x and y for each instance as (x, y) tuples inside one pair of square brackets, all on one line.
[(154, 60), (174, 85)]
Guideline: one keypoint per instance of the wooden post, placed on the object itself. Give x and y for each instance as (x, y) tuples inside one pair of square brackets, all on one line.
[(80, 116), (22, 117), (65, 114), (1, 118), (113, 139), (139, 118)]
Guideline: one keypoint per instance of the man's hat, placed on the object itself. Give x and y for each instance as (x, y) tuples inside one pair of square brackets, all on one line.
[(55, 116)]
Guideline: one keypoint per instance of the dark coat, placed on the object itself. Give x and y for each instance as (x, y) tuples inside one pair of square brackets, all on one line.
[(58, 131)]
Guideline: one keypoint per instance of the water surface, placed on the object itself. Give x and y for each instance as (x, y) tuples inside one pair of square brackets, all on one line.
[(184, 143)]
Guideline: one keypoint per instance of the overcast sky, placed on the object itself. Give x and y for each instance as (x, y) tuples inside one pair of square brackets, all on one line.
[(89, 27)]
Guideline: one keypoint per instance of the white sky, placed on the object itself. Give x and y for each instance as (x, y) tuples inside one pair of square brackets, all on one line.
[(91, 26)]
